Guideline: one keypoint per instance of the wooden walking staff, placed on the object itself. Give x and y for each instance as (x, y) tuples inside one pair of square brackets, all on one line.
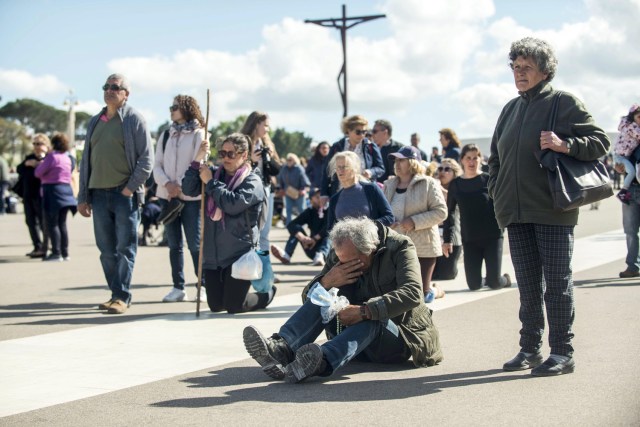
[(202, 197)]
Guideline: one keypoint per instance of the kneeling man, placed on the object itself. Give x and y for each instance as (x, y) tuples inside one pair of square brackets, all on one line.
[(386, 321)]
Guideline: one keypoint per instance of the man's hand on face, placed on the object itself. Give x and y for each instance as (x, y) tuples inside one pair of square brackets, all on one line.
[(342, 274)]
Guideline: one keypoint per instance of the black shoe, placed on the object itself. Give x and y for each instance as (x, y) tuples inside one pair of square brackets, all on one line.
[(551, 367), (522, 362), (266, 298), (309, 362), (273, 354), (170, 211), (37, 254), (627, 274)]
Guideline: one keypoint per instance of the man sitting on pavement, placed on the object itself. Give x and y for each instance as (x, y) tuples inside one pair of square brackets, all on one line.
[(316, 243), (385, 320)]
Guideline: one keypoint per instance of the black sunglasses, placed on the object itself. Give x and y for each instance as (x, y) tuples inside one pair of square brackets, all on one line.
[(230, 154), (360, 131), (444, 169), (114, 87), (174, 108)]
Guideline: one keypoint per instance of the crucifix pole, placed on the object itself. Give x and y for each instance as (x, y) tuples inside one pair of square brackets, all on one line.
[(343, 26)]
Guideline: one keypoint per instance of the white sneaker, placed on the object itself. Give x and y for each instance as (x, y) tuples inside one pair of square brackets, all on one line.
[(176, 295), (318, 259)]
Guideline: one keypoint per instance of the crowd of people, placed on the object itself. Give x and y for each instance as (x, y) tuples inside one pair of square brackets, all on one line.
[(382, 220)]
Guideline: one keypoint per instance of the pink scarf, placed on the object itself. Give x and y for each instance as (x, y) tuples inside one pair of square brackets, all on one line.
[(214, 212)]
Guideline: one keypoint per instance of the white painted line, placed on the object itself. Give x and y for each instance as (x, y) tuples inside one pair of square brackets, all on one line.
[(60, 367)]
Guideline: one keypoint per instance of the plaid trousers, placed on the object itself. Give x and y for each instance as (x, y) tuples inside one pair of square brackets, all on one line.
[(541, 256)]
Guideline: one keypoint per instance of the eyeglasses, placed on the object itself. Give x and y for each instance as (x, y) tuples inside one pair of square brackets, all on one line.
[(230, 154), (444, 169), (38, 143), (360, 131), (343, 168), (174, 108), (377, 130), (113, 87)]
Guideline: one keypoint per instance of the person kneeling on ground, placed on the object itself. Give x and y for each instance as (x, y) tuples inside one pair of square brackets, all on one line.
[(386, 321), (316, 244)]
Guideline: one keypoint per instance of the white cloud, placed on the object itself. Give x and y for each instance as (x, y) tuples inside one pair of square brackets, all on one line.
[(27, 85)]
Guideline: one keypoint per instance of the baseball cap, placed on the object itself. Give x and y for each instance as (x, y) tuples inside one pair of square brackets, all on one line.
[(407, 152)]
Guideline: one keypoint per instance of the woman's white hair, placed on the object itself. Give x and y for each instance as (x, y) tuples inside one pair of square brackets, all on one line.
[(362, 232)]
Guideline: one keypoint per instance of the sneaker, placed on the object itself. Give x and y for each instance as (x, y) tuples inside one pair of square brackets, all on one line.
[(280, 254), (624, 196), (309, 362), (266, 298), (105, 305), (318, 259), (53, 258), (507, 280), (175, 295), (66, 258), (430, 296), (273, 354), (117, 307)]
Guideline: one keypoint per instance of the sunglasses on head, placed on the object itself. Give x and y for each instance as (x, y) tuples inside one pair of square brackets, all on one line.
[(444, 169), (360, 131), (114, 87), (230, 154), (174, 108)]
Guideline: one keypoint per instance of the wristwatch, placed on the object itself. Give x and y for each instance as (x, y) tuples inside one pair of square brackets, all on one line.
[(569, 144), (363, 312)]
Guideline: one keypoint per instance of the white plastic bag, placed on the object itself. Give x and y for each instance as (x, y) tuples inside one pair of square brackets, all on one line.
[(247, 267), (329, 301)]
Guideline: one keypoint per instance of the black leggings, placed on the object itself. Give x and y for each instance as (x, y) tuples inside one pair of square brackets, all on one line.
[(226, 293), (447, 267), (489, 251), (426, 269), (57, 225)]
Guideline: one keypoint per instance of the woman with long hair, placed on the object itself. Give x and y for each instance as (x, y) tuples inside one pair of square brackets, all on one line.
[(265, 158), (177, 148), (316, 164)]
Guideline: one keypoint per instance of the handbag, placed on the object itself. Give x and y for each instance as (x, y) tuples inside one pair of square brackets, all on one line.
[(572, 182), (291, 192), (264, 283)]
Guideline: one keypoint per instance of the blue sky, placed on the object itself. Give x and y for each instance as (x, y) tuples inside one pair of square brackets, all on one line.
[(426, 66)]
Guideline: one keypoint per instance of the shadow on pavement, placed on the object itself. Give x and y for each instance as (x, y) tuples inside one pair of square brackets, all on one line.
[(327, 390)]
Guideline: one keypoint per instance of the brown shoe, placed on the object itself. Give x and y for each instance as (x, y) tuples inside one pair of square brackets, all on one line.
[(105, 305), (117, 307), (628, 274)]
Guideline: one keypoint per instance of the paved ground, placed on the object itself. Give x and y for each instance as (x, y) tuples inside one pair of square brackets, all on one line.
[(64, 363)]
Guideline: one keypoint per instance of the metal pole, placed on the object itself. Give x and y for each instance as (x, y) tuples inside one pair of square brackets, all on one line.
[(341, 24)]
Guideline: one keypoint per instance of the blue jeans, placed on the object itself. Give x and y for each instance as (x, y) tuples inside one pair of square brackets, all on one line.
[(631, 226), (297, 204), (189, 220), (264, 233), (376, 341), (115, 226), (323, 246)]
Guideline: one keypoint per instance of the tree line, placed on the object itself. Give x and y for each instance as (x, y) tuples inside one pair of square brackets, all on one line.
[(21, 118)]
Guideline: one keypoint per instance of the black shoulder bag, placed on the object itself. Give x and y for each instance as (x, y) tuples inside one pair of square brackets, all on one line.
[(572, 182)]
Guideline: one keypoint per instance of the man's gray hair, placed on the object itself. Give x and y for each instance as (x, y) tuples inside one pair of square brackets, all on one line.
[(539, 50), (124, 81), (362, 232)]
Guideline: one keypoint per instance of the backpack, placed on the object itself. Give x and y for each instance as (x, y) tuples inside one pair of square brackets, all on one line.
[(165, 138)]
